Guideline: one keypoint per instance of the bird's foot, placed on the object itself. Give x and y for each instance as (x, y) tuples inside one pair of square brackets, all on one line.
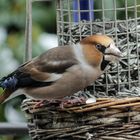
[(39, 104), (63, 103), (72, 102), (46, 102)]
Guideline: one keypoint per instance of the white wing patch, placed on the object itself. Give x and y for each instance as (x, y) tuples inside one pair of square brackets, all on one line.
[(56, 63), (53, 77), (53, 63)]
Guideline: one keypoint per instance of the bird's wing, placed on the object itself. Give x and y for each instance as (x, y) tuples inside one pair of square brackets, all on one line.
[(42, 70), (50, 65), (71, 82)]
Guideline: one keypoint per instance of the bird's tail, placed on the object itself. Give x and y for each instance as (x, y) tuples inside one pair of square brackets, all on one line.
[(9, 85), (5, 95), (8, 82)]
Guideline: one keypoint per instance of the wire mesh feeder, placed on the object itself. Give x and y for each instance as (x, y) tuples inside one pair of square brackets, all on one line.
[(107, 119), (79, 18)]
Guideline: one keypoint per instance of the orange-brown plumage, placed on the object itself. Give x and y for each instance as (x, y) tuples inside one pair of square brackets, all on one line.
[(97, 39), (92, 56)]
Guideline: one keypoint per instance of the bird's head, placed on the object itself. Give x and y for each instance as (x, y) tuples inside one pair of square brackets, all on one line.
[(97, 47)]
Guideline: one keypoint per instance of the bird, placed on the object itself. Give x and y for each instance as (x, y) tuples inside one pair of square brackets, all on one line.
[(61, 71)]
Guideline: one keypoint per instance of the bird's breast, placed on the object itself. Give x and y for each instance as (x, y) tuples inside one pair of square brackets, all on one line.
[(91, 73)]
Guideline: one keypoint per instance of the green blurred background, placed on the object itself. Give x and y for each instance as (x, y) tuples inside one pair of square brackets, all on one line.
[(12, 42)]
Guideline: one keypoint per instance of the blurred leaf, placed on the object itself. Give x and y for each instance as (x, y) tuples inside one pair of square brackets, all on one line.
[(44, 14), (16, 10), (2, 117), (12, 18), (1, 90)]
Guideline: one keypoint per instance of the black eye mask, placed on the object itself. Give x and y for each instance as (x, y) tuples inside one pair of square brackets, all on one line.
[(104, 64), (101, 48)]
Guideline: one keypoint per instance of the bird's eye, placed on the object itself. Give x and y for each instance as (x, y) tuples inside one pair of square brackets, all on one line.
[(101, 48)]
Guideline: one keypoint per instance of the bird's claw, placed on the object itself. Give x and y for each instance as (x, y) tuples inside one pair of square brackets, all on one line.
[(72, 102), (42, 103), (63, 103), (39, 104)]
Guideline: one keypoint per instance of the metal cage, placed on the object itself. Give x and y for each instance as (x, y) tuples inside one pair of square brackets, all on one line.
[(77, 19)]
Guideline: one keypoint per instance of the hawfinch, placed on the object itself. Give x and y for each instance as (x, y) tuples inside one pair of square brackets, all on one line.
[(62, 71)]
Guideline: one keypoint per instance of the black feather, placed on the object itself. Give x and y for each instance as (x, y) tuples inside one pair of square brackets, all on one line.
[(9, 83), (29, 82), (19, 79), (104, 63)]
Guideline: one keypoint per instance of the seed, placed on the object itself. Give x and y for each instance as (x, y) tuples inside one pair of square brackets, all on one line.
[(127, 38)]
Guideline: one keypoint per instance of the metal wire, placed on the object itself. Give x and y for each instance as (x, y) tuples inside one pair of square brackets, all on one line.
[(14, 129), (28, 31), (125, 32), (138, 56), (70, 31)]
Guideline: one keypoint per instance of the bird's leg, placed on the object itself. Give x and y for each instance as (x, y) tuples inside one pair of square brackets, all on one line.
[(39, 104), (65, 102), (46, 102), (72, 102)]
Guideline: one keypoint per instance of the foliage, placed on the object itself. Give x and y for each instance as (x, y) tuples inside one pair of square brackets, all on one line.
[(12, 23)]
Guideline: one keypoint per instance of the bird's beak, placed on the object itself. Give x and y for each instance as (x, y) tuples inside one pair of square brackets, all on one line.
[(113, 53)]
